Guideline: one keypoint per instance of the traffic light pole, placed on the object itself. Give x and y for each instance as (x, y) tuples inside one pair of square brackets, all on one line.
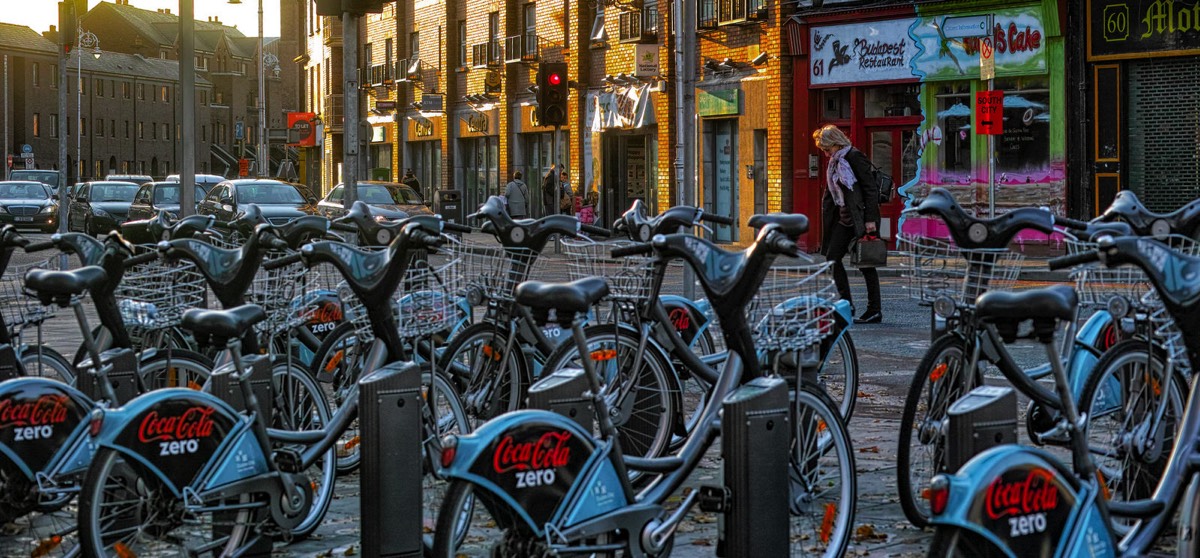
[(187, 84), (685, 91), (350, 108)]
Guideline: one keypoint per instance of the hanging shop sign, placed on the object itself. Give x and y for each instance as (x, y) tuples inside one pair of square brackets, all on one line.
[(1018, 38), (624, 107), (301, 130), (861, 52), (721, 102), (646, 62), (1135, 29)]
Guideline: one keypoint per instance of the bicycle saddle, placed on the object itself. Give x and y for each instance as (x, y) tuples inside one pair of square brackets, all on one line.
[(223, 325), (569, 298), (1051, 303), (59, 286), (1129, 209), (792, 224), (971, 232)]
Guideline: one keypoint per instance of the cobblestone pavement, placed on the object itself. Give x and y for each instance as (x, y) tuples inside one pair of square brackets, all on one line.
[(888, 353)]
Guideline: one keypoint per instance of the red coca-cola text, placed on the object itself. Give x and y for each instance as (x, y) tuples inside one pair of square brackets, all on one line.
[(548, 452), (325, 313), (195, 422), (1035, 493), (47, 409), (680, 319)]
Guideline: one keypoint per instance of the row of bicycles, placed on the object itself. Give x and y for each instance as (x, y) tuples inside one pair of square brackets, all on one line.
[(214, 405), (1111, 415)]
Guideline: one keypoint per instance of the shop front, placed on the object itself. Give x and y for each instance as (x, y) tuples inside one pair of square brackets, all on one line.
[(477, 166), (535, 145), (624, 149), (379, 152), (1143, 67), (424, 152)]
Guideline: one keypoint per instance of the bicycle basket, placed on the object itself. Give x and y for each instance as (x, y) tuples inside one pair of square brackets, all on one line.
[(793, 307), (934, 268), (1097, 283), (492, 268), (427, 301), (18, 306), (1167, 333), (155, 294), (274, 289), (629, 278)]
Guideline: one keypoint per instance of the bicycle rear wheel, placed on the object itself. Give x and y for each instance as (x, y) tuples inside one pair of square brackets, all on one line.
[(838, 374), (489, 378), (46, 521), (300, 405), (823, 483), (336, 365), (126, 511), (44, 362), (176, 368)]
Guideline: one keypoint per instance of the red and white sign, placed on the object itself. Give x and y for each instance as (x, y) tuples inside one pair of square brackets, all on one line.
[(987, 60), (989, 113)]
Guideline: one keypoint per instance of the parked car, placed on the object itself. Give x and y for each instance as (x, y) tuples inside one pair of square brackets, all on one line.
[(27, 203), (134, 178), (153, 197), (388, 200), (205, 180), (99, 207), (47, 177), (280, 202)]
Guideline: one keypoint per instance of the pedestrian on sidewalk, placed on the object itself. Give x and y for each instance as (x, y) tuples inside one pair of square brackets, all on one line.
[(516, 195), (849, 211)]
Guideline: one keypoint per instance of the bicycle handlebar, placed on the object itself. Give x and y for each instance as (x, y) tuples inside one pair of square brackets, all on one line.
[(282, 262), (38, 246), (1071, 223), (140, 259), (1072, 260), (344, 227), (633, 250), (455, 227), (717, 219), (595, 230)]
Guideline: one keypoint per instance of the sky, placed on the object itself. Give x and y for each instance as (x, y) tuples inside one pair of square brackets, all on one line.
[(41, 14)]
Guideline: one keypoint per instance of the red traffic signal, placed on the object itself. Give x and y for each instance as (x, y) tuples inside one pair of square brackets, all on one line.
[(552, 94), (554, 79)]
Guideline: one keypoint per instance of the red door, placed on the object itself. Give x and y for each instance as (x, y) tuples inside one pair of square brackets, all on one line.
[(894, 150)]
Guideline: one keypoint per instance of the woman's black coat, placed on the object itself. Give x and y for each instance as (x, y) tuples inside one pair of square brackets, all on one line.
[(863, 200)]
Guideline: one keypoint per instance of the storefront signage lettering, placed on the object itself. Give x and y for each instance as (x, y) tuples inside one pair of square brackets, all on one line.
[(1128, 29), (473, 123), (722, 102), (861, 52), (422, 127), (477, 122), (1018, 39), (646, 64)]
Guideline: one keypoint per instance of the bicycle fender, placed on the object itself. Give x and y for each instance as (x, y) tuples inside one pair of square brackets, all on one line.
[(1026, 503), (527, 460), (687, 317), (39, 419), (175, 433)]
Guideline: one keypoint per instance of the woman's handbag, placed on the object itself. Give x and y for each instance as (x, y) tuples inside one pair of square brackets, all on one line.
[(869, 251)]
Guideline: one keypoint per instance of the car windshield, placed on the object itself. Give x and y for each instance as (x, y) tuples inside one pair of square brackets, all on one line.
[(269, 194), (23, 191), (374, 194), (168, 194), (50, 178), (113, 192)]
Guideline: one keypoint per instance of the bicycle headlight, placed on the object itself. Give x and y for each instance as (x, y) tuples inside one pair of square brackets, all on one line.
[(1118, 307), (943, 306)]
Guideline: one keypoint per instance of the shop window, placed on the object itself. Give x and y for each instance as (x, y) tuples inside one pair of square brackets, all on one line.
[(891, 100), (835, 104), (1024, 148), (954, 120)]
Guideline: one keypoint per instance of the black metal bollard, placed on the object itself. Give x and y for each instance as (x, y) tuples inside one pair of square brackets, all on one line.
[(755, 437), (389, 406), (563, 392), (983, 418)]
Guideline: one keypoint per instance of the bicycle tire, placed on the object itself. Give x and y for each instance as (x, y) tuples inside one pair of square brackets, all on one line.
[(842, 386), (487, 391), (812, 493), (339, 357), (642, 434), (128, 481), (911, 483), (196, 370), (452, 419), (178, 338), (955, 542), (300, 405), (45, 362), (1113, 449)]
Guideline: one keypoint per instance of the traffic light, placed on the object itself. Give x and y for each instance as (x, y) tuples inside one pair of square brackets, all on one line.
[(552, 93), (68, 24)]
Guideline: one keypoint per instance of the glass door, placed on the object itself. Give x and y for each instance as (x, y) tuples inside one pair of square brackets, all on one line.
[(894, 151)]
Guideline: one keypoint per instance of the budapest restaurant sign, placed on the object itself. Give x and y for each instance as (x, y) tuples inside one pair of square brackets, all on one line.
[(1139, 28), (861, 53)]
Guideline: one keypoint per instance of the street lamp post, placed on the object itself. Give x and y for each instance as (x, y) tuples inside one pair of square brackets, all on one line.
[(87, 40), (262, 155)]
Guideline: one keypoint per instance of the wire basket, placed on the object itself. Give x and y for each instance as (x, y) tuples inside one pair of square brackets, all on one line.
[(629, 279), (793, 307), (428, 300), (18, 306), (154, 295), (1167, 334), (934, 268), (1097, 283), (274, 290), (492, 268)]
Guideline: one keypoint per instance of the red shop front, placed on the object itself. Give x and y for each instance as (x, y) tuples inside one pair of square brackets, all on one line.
[(854, 72)]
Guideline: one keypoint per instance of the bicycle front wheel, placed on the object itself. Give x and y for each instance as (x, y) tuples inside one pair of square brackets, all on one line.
[(823, 485), (939, 381), (336, 364), (838, 374), (300, 405), (489, 377), (176, 368), (44, 362), (126, 511)]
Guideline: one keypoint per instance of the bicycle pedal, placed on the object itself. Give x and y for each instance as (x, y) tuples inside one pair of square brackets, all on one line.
[(713, 498), (288, 459)]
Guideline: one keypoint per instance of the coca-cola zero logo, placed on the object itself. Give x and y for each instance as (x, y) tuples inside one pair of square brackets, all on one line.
[(550, 451), (1034, 494), (49, 409), (195, 422)]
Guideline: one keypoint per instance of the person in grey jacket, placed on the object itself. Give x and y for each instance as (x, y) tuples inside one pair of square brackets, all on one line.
[(849, 211), (517, 195)]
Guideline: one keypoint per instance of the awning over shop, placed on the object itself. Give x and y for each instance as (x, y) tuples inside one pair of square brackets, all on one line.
[(624, 108)]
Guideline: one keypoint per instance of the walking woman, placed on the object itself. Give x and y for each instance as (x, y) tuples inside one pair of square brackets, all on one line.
[(849, 210)]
